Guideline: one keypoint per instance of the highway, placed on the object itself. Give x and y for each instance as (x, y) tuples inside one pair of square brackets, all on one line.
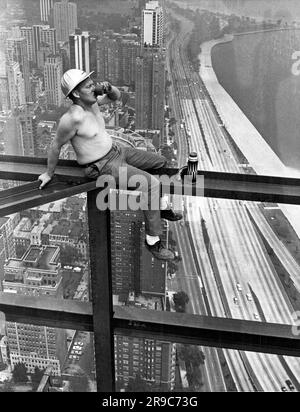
[(236, 271)]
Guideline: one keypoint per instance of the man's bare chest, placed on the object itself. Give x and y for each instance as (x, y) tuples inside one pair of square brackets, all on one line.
[(91, 125)]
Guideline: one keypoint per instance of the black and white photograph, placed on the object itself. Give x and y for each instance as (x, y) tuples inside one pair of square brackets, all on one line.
[(149, 198)]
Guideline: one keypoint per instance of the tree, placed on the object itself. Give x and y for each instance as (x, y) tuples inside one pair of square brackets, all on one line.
[(69, 255), (20, 373), (180, 299), (3, 366), (138, 385), (6, 387), (79, 384), (36, 378)]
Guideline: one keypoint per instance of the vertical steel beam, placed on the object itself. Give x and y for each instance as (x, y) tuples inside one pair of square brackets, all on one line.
[(101, 278)]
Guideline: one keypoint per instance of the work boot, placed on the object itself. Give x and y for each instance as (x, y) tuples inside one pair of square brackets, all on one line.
[(169, 214), (159, 251)]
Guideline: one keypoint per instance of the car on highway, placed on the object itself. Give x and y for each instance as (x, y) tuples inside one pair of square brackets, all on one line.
[(290, 385), (256, 316), (249, 297), (235, 301), (239, 287)]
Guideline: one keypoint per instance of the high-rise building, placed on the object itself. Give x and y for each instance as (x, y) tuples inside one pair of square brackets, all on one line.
[(4, 94), (48, 45), (65, 19), (150, 70), (39, 37), (16, 85), (45, 7), (108, 59), (128, 54), (11, 133), (153, 25), (7, 244), (28, 128), (37, 274), (53, 72), (16, 51), (27, 33), (126, 237), (7, 226), (80, 53), (116, 58), (150, 89)]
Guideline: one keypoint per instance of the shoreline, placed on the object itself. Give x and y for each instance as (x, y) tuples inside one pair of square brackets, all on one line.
[(251, 143)]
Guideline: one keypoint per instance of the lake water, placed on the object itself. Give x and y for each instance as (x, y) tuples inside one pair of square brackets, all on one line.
[(261, 74)]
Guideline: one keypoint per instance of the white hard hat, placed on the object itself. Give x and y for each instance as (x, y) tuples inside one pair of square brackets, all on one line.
[(71, 79)]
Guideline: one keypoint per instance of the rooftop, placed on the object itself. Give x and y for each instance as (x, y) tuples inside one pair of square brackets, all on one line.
[(43, 258)]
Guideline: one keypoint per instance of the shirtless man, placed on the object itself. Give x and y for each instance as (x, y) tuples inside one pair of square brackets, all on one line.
[(83, 126)]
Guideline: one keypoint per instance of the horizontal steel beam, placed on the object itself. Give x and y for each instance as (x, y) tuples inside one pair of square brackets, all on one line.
[(26, 169), (207, 331), (273, 191), (29, 195), (218, 185), (46, 311), (172, 327)]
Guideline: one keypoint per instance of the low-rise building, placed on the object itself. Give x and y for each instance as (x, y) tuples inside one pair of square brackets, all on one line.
[(36, 274)]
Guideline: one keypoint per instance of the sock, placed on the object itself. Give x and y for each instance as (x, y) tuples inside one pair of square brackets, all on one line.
[(164, 203), (151, 240)]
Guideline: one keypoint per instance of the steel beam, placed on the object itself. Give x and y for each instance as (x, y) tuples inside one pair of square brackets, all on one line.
[(172, 327), (47, 311), (101, 281), (28, 195), (207, 331), (218, 185)]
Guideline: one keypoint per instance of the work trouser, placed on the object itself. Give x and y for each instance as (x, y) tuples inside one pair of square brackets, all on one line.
[(136, 162)]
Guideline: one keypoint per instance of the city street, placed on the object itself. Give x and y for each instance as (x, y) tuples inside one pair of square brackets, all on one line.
[(236, 264)]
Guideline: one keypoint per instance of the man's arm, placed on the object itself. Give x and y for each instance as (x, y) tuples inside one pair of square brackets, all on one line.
[(65, 132), (112, 94)]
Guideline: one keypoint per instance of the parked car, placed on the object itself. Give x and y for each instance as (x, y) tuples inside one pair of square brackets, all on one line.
[(76, 352), (74, 357)]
